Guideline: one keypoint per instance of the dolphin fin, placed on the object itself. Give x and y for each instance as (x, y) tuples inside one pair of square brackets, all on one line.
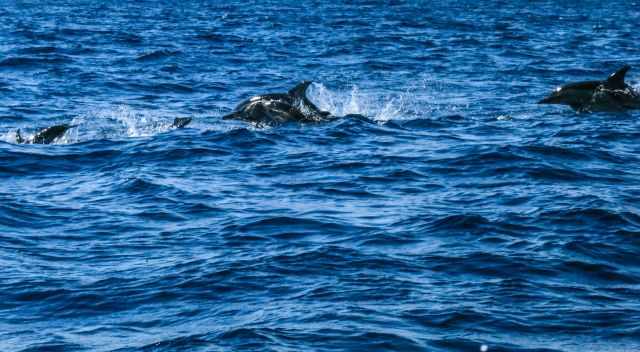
[(300, 91), (616, 80)]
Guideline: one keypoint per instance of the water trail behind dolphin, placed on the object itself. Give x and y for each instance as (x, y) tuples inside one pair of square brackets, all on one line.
[(120, 122), (377, 107), (416, 101)]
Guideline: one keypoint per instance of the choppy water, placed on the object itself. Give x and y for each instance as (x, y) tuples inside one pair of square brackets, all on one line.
[(459, 216)]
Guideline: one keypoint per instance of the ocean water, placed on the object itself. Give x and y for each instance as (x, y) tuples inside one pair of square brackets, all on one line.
[(457, 215)]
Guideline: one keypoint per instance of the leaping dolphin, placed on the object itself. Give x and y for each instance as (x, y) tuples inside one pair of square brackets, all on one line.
[(276, 108), (612, 94)]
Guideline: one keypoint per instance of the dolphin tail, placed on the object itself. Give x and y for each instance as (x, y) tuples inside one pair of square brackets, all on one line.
[(616, 80)]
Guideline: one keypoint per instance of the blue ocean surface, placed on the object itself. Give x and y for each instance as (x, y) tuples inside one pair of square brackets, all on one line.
[(455, 215)]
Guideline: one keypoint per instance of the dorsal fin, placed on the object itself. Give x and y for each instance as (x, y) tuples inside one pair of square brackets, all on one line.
[(616, 80), (300, 90)]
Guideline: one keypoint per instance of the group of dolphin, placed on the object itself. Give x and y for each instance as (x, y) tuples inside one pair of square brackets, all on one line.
[(611, 94)]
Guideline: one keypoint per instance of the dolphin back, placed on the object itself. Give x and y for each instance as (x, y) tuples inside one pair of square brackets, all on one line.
[(277, 108), (49, 134)]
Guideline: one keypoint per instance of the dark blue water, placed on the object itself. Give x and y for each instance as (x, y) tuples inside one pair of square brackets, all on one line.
[(458, 216)]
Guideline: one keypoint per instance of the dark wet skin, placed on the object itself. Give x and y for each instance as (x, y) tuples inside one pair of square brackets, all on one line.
[(45, 136), (612, 94), (277, 108)]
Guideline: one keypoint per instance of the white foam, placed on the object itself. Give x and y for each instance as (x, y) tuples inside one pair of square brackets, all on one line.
[(417, 101), (117, 122), (339, 103), (9, 136)]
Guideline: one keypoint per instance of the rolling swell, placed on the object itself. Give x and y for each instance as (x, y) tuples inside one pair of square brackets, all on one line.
[(447, 212)]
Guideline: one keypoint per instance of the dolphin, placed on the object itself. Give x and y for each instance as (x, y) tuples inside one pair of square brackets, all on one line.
[(277, 108), (611, 94), (45, 135)]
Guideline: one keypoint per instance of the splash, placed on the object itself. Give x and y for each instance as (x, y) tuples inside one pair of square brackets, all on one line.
[(11, 135), (115, 123), (377, 107), (420, 100), (118, 122)]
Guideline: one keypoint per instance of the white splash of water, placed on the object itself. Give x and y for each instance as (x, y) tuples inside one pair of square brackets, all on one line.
[(11, 136), (377, 107), (117, 123), (423, 98), (105, 123), (120, 122)]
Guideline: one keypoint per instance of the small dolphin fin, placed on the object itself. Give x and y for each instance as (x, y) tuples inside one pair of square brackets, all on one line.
[(300, 91), (616, 80)]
